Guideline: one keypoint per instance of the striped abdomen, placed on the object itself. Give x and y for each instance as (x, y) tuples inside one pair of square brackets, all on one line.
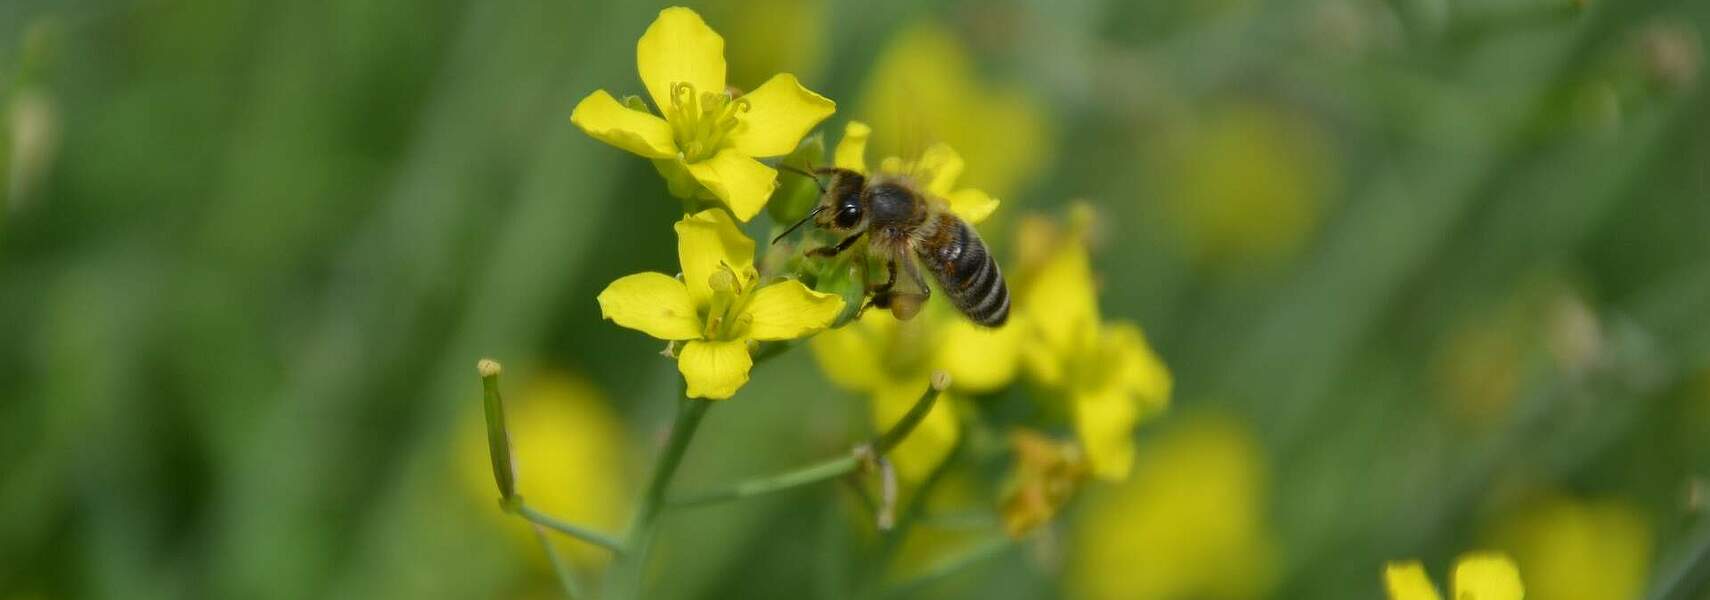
[(965, 270)]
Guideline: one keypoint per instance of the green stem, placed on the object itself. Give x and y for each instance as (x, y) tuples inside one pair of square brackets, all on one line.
[(566, 577), (808, 475), (826, 469), (1688, 572), (641, 530), (573, 530)]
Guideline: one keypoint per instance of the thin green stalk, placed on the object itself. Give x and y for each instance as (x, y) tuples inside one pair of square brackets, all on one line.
[(573, 530), (810, 474), (917, 504), (566, 576), (826, 469), (1688, 572), (642, 527), (504, 471)]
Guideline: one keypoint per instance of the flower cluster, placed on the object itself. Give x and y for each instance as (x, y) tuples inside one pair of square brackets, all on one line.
[(704, 141), (1098, 379)]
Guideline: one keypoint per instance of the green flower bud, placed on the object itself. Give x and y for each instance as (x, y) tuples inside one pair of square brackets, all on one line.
[(796, 193)]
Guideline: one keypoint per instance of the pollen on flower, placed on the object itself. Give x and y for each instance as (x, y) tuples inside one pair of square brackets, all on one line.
[(702, 121), (723, 280)]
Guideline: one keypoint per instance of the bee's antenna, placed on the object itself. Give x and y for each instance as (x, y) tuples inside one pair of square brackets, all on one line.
[(804, 220), (803, 173)]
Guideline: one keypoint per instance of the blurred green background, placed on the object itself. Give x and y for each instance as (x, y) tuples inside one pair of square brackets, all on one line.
[(1432, 276)]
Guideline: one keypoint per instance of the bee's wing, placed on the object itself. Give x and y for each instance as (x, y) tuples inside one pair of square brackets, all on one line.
[(914, 133)]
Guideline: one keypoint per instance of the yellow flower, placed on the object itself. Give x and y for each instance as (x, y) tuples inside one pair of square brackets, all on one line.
[(925, 85), (893, 362), (1478, 576), (571, 459), (1106, 371), (718, 307), (1574, 549), (935, 172), (1190, 523), (708, 137)]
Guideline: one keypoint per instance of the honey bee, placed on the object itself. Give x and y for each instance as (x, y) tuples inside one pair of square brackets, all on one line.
[(905, 228)]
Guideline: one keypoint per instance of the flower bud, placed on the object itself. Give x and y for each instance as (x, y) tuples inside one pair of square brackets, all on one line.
[(498, 437), (796, 193)]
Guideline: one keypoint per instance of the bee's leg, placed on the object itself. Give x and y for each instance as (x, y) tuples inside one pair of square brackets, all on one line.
[(829, 251), (884, 288), (881, 294)]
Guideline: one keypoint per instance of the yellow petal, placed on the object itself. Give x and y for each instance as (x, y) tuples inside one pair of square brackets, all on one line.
[(1045, 366), (940, 166), (1487, 576), (607, 120), (780, 113), (1061, 302), (979, 359), (706, 240), (850, 356), (1407, 581), (788, 310), (930, 442), (1137, 368), (652, 303), (742, 183), (971, 204), (851, 152), (1104, 421), (679, 48), (714, 370)]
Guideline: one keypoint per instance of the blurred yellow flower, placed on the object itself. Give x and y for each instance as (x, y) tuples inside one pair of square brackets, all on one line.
[(1478, 576), (571, 458), (925, 85), (1190, 523), (1109, 375), (893, 362), (935, 171), (1571, 549), (708, 137), (1246, 184), (778, 36), (718, 307)]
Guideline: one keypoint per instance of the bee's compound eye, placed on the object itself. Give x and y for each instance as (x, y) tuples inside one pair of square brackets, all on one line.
[(847, 217)]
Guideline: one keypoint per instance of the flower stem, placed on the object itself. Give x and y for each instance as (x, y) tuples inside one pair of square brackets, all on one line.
[(642, 527), (807, 475), (1686, 573), (573, 530), (566, 577), (504, 476), (826, 469)]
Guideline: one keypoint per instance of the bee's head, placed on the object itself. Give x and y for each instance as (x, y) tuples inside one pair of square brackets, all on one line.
[(840, 207)]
